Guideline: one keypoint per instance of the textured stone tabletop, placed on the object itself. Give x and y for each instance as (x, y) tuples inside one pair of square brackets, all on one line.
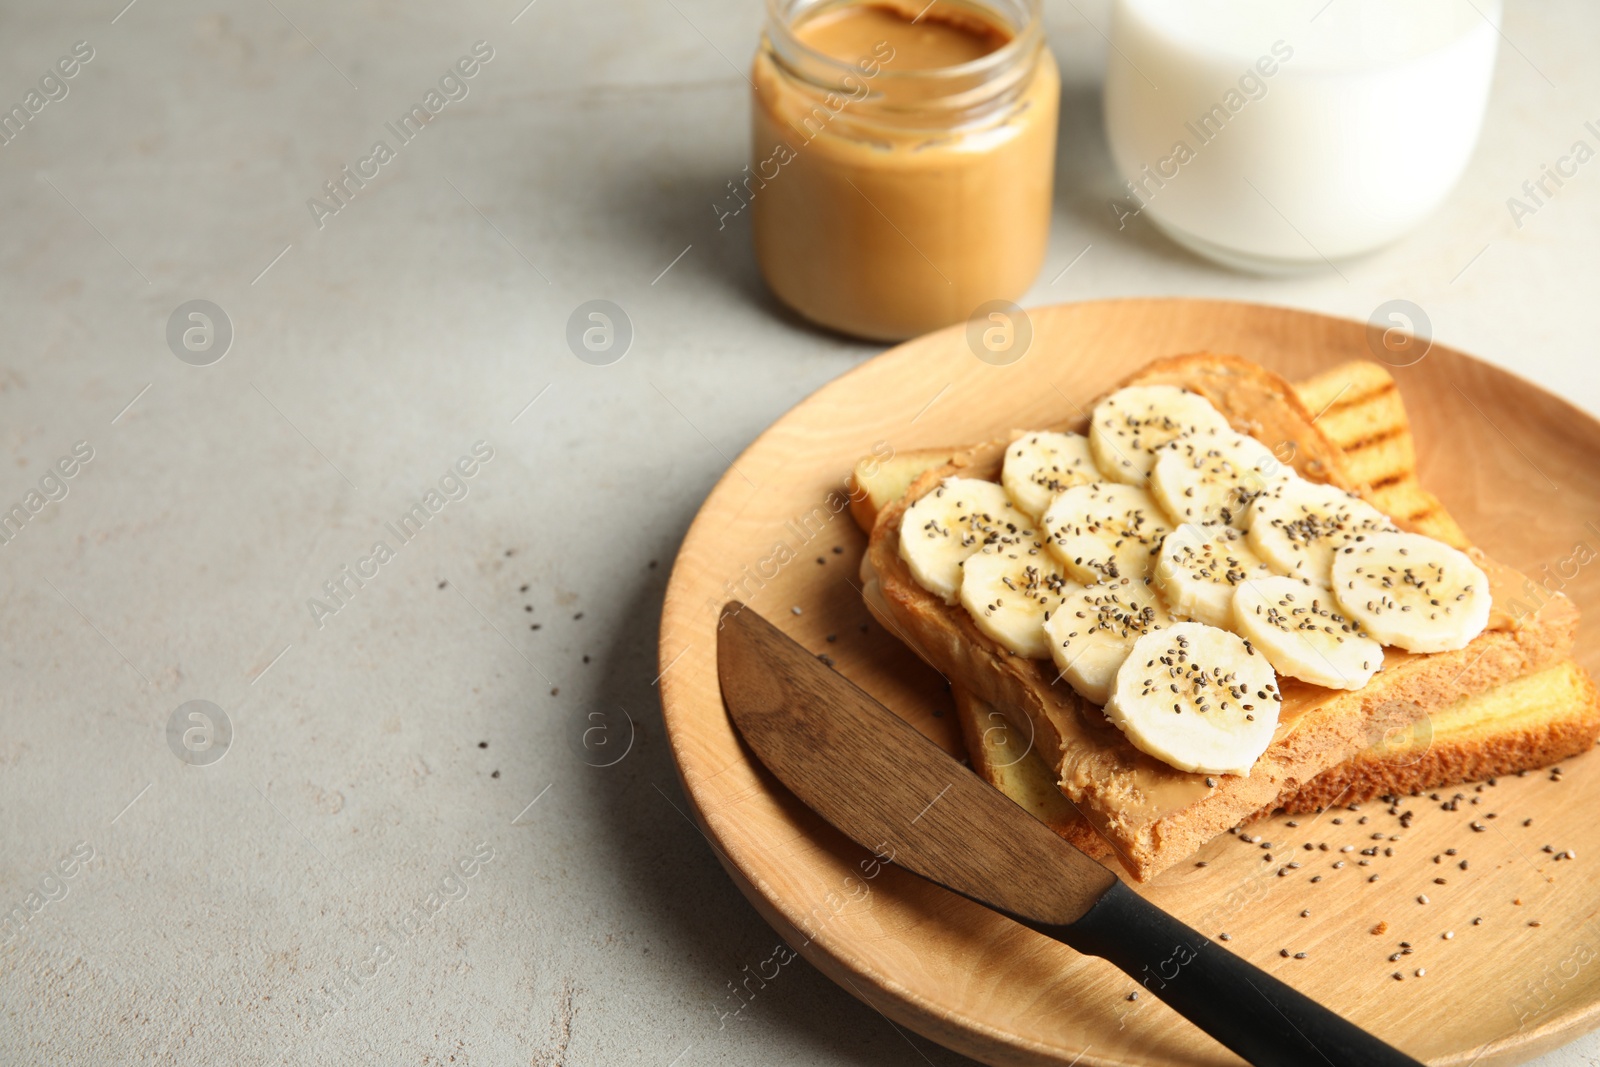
[(405, 853)]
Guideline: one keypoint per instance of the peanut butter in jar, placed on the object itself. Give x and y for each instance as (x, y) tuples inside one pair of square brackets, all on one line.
[(903, 156)]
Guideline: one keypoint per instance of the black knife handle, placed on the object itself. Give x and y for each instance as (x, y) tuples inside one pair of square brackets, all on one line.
[(1242, 1006)]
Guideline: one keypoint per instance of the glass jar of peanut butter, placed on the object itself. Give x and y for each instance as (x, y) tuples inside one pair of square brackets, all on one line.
[(902, 159)]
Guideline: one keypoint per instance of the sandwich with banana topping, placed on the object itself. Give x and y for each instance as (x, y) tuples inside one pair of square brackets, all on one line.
[(1194, 607)]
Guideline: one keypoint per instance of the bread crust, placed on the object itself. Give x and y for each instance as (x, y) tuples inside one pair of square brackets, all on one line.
[(1152, 814), (1472, 756), (1259, 403)]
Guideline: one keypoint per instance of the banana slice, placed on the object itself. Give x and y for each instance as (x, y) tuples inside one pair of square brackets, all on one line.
[(1199, 567), (1104, 530), (1010, 590), (1299, 629), (951, 523), (1197, 697), (1040, 465), (1095, 626), (1127, 427), (1212, 477), (1412, 592), (1297, 527)]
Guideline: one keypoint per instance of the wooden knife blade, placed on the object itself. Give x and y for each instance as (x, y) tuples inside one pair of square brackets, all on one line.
[(876, 778)]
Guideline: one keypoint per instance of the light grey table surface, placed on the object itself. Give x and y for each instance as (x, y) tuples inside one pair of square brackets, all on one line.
[(211, 908)]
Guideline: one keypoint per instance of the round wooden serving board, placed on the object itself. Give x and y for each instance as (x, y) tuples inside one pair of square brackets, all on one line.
[(1518, 467)]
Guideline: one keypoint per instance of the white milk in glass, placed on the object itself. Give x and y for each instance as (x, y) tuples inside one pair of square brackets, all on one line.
[(1278, 135)]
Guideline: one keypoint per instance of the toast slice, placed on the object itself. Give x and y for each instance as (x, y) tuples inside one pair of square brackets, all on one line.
[(1150, 813), (1518, 726), (1526, 723), (1358, 407)]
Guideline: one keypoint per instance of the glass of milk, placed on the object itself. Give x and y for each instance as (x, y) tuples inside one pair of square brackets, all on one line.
[(1284, 135)]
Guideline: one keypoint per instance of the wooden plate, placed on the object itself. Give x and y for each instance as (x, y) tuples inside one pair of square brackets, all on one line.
[(1518, 467)]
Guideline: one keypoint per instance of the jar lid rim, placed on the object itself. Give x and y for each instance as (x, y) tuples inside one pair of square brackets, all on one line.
[(1028, 38)]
